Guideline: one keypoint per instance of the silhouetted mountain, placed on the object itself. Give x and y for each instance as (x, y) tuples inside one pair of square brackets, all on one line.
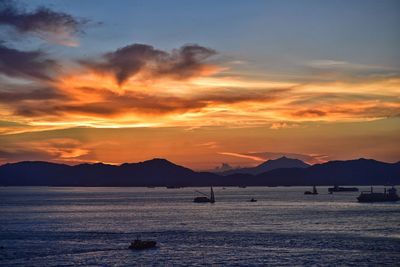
[(155, 172), (270, 165), (351, 172), (160, 172)]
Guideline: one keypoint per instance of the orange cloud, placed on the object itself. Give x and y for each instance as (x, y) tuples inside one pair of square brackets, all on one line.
[(55, 149), (239, 155)]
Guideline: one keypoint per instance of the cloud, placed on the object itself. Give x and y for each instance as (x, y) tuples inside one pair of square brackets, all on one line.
[(141, 85), (16, 94), (31, 64), (344, 65), (55, 149), (131, 60), (53, 26), (283, 125), (113, 104), (240, 155), (343, 69), (309, 113)]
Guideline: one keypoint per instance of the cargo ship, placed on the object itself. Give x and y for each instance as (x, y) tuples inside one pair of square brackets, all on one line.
[(389, 195)]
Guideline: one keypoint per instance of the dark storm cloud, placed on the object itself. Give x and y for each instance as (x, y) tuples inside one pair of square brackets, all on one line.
[(127, 61), (44, 22), (16, 63)]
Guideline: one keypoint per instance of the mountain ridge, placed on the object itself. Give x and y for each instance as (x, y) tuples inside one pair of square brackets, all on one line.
[(282, 162), (161, 172)]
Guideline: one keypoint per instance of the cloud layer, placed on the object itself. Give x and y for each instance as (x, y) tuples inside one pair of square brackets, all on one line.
[(141, 85)]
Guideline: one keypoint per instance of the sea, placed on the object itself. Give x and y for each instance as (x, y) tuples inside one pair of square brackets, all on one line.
[(93, 226)]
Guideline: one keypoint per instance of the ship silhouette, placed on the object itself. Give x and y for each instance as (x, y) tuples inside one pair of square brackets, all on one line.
[(314, 192), (205, 198), (337, 188), (371, 196)]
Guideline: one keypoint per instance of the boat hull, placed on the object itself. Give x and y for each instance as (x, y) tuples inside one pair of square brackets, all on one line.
[(342, 189)]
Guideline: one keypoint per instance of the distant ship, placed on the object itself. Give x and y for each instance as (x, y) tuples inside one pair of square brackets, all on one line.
[(205, 199), (387, 196), (314, 192), (342, 189), (253, 200)]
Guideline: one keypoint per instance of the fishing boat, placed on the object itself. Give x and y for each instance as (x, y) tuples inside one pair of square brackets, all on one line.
[(386, 196), (314, 192), (205, 198), (253, 200)]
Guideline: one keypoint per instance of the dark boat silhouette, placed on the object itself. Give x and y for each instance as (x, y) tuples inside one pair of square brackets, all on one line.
[(314, 192), (342, 189), (140, 244), (253, 200), (371, 196), (205, 199)]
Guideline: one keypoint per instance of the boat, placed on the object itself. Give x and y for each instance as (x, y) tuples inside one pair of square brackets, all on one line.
[(242, 186), (253, 200), (371, 196), (140, 244), (342, 189), (314, 192), (205, 199)]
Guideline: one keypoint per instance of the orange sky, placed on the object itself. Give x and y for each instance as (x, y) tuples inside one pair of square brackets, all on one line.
[(116, 101)]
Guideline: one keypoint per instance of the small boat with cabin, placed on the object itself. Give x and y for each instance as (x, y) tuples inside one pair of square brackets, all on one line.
[(205, 198), (253, 200), (314, 192), (386, 196)]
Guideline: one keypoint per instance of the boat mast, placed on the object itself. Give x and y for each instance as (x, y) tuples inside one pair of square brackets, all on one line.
[(212, 199)]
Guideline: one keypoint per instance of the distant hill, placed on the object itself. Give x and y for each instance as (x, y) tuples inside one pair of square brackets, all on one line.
[(351, 172), (161, 172), (269, 165), (155, 172)]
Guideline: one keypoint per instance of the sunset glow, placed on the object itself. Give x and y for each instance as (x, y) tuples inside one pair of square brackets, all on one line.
[(196, 104)]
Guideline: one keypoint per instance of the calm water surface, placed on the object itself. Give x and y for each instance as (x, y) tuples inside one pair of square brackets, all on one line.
[(55, 226)]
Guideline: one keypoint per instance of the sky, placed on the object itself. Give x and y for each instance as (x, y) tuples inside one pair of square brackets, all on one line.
[(199, 82)]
